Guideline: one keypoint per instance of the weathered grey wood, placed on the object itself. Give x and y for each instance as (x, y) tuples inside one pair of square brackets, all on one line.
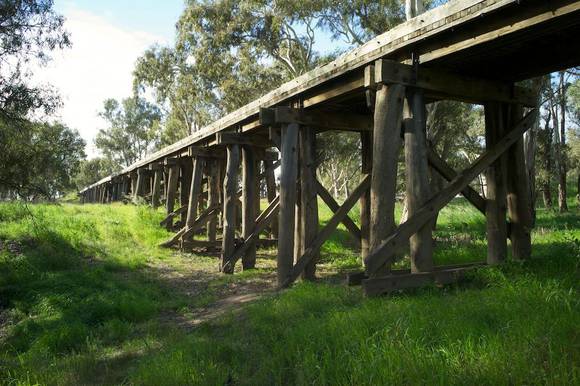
[(441, 167), (314, 247), (386, 284), (194, 191), (172, 215), (171, 190), (452, 86), (495, 121), (334, 206), (265, 219), (186, 233), (308, 197), (417, 177), (518, 198), (213, 199), (386, 146), (229, 204), (286, 217), (271, 193), (357, 277), (326, 120), (156, 191), (385, 253), (140, 184), (186, 171), (365, 200), (249, 178)]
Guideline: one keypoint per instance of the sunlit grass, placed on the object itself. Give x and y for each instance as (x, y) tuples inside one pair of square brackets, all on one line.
[(85, 295)]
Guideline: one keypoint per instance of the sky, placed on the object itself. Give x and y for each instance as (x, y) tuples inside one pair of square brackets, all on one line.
[(107, 38)]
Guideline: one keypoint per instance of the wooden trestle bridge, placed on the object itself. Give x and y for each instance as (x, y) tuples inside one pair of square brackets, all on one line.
[(467, 50)]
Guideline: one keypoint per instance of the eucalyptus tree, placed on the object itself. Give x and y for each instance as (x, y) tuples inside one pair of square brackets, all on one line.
[(133, 130)]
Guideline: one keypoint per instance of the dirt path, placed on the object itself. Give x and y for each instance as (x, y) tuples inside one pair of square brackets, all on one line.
[(212, 294)]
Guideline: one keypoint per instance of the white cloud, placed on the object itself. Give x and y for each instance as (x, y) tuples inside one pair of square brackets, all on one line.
[(98, 66)]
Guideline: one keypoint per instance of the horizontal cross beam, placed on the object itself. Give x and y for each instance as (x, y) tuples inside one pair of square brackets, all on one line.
[(327, 120), (453, 86)]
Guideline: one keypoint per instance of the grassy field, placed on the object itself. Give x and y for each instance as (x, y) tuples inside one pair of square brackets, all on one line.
[(86, 297)]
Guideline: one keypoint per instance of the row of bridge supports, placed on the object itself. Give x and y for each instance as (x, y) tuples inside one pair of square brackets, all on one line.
[(206, 180)]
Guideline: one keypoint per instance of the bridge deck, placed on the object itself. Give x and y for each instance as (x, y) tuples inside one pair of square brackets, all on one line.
[(507, 40)]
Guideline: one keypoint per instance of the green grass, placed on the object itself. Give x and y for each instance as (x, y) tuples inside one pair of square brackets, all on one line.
[(86, 297)]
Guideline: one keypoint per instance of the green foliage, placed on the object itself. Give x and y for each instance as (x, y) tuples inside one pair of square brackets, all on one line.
[(92, 170), (87, 297), (30, 31), (38, 159), (133, 130)]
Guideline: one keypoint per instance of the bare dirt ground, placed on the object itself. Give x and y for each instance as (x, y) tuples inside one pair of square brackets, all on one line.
[(212, 294)]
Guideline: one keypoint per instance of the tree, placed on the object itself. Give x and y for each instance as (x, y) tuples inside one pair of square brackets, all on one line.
[(29, 31), (93, 170), (133, 130), (38, 159)]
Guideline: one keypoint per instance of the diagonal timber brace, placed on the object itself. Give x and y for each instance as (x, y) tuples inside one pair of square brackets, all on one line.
[(262, 222), (334, 207), (385, 253), (186, 231), (325, 232)]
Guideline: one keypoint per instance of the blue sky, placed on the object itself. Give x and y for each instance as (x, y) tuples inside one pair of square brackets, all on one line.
[(155, 16), (108, 36)]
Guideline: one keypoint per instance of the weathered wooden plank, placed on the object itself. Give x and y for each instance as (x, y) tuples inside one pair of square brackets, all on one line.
[(271, 192), (262, 222), (186, 232), (171, 190), (194, 191), (334, 207), (314, 247), (441, 167), (386, 284), (329, 120), (357, 277), (308, 197), (365, 199), (452, 86), (386, 146), (229, 203), (170, 216), (186, 170), (495, 213), (385, 253), (417, 177), (518, 199), (213, 197), (249, 203), (156, 191), (286, 216)]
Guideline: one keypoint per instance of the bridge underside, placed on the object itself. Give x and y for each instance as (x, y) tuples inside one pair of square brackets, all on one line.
[(473, 51)]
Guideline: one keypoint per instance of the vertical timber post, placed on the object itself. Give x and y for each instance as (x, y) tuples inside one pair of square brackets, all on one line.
[(518, 197), (171, 190), (386, 147), (417, 177), (271, 193), (156, 191), (185, 184), (286, 215), (495, 208), (195, 180), (249, 177), (308, 197), (213, 182), (365, 208), (229, 209)]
